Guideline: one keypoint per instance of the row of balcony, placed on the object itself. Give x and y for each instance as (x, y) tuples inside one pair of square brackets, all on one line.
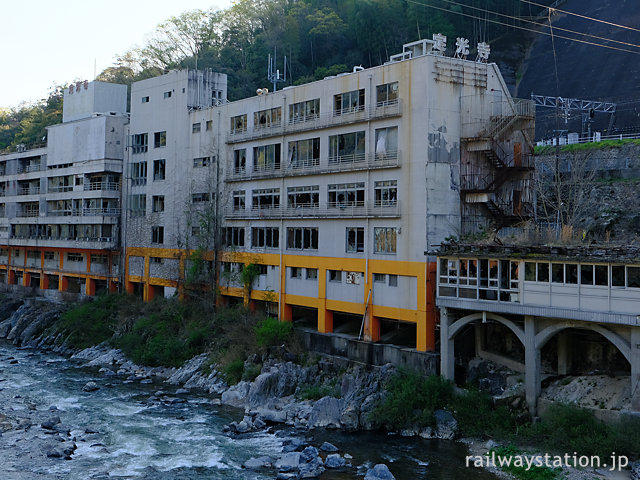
[(333, 210), (316, 122), (344, 163), (35, 190), (85, 212)]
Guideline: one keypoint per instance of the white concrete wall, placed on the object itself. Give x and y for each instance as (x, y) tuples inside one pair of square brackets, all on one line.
[(97, 97)]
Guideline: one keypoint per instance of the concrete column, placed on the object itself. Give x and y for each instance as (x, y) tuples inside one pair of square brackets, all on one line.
[(325, 320), (635, 368), (26, 279), (478, 330), (564, 355), (129, 287), (44, 281), (113, 287), (11, 277), (425, 331), (286, 314), (90, 287), (532, 364), (63, 283), (447, 353), (372, 329)]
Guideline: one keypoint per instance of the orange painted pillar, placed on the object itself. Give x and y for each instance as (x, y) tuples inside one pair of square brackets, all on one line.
[(113, 287), (287, 313), (372, 329), (63, 284), (26, 279), (11, 277), (149, 291), (325, 320), (253, 306), (44, 281), (431, 314), (90, 287), (129, 287)]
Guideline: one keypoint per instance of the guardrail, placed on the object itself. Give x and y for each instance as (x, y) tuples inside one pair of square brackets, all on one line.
[(112, 186)]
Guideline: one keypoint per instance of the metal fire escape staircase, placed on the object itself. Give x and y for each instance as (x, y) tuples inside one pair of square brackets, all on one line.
[(482, 186)]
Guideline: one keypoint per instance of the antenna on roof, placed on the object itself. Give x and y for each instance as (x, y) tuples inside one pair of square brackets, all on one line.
[(273, 74)]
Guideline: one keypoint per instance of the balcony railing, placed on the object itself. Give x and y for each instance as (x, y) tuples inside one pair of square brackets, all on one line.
[(63, 238), (60, 188), (315, 122), (112, 186), (332, 210), (29, 190), (85, 212), (36, 167), (369, 161), (28, 213)]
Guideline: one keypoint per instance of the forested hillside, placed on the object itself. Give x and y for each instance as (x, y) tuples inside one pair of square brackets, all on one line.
[(319, 38)]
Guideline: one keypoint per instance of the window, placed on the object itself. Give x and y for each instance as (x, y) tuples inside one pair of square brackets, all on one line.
[(201, 162), (266, 157), (239, 124), (158, 203), (312, 273), (267, 118), (594, 275), (199, 197), (140, 142), (393, 280), (99, 259), (52, 256), (262, 237), (387, 94), (157, 234), (348, 147), (355, 239), (138, 205), (233, 236), (167, 94), (633, 277), (195, 128), (335, 276), (303, 197), (304, 111), (209, 125), (564, 273), (160, 139), (617, 275), (386, 193), (265, 198), (75, 257), (304, 153), (159, 169), (380, 278), (295, 272), (238, 199), (302, 238), (345, 194), (156, 260), (145, 99), (195, 231), (386, 143), (262, 269), (349, 102), (240, 160), (384, 239), (33, 254)]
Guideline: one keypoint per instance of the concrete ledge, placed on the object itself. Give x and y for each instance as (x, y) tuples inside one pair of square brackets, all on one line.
[(367, 353)]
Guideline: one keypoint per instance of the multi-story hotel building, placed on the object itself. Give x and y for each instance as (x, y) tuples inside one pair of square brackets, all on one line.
[(334, 189), (60, 207)]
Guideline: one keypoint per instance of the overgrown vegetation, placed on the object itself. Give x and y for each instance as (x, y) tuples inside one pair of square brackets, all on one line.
[(523, 472), (412, 399), (577, 147), (167, 332)]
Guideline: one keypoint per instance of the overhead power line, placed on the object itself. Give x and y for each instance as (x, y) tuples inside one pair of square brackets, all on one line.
[(582, 16), (524, 28)]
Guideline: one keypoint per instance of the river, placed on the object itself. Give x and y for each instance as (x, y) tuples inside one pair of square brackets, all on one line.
[(139, 437)]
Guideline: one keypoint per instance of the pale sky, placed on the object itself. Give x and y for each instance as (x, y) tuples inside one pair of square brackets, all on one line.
[(44, 43)]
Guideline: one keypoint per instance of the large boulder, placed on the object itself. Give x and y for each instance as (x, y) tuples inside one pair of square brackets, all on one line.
[(236, 396), (379, 472), (326, 413), (288, 462), (257, 463), (446, 425), (276, 382), (334, 460)]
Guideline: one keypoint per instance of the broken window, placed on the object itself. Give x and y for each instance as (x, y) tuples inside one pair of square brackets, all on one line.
[(385, 239), (348, 102), (265, 237), (138, 205), (160, 139), (159, 169), (386, 143), (233, 236), (195, 128), (312, 273), (304, 153), (393, 280), (267, 118), (266, 157), (296, 272), (239, 123), (387, 94), (239, 160), (158, 203), (355, 239), (386, 193), (238, 200), (304, 111), (347, 147), (302, 238), (157, 234), (265, 198), (200, 197), (335, 276), (201, 162), (345, 194), (303, 197)]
